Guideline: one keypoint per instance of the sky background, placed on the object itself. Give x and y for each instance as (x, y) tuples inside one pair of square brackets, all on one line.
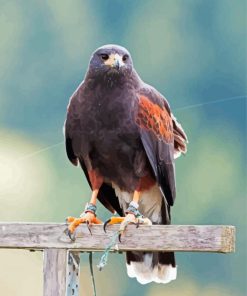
[(194, 52)]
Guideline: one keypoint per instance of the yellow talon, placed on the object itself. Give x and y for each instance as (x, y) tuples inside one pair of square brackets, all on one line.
[(88, 218)]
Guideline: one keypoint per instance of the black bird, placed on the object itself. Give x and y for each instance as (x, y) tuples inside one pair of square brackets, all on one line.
[(122, 133)]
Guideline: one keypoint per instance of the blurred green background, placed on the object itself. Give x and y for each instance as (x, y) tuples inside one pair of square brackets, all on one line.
[(194, 52)]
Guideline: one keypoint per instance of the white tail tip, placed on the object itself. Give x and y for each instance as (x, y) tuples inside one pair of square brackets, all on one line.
[(145, 274)]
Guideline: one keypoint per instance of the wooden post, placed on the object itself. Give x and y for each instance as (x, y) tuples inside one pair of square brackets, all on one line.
[(55, 262), (61, 272)]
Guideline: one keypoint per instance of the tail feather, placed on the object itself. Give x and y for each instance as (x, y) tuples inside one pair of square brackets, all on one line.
[(156, 267)]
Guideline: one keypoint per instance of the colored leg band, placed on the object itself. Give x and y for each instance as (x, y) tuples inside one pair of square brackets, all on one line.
[(133, 210), (89, 208)]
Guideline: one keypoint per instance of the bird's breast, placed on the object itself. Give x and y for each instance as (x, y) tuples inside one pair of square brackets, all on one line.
[(111, 112), (109, 138)]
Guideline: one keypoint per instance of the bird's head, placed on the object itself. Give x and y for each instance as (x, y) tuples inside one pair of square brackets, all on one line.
[(111, 60)]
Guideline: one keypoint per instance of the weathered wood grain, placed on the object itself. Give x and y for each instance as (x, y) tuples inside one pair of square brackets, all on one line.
[(54, 272), (187, 238)]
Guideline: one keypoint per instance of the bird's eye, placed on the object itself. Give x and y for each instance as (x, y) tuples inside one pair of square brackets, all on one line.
[(125, 57), (104, 56)]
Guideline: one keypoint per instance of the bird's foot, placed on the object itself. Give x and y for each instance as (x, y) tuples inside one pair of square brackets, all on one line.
[(130, 218), (88, 217)]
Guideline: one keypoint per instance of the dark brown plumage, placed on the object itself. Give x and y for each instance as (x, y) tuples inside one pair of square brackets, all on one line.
[(122, 133)]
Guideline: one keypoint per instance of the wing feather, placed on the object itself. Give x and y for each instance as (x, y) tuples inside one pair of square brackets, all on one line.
[(162, 136), (106, 193), (180, 138)]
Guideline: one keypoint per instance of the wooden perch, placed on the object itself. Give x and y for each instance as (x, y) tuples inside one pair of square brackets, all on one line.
[(62, 256), (178, 238)]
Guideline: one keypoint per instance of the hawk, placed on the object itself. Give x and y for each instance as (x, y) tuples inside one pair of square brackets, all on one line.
[(123, 135)]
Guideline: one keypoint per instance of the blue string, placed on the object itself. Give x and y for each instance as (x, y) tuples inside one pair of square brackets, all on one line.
[(104, 257)]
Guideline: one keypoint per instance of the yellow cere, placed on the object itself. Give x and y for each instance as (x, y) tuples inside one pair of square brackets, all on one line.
[(113, 58)]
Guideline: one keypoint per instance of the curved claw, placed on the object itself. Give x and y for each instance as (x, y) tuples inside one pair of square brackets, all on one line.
[(70, 234), (88, 227), (137, 223), (119, 237), (105, 224)]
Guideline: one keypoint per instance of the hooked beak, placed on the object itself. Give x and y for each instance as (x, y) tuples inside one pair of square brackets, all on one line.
[(115, 61), (116, 64)]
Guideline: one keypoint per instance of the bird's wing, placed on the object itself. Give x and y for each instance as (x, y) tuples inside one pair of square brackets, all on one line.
[(106, 193), (72, 127), (180, 138), (161, 136)]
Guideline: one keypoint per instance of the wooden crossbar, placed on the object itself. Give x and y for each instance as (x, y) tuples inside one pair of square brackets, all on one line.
[(178, 238), (61, 255)]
